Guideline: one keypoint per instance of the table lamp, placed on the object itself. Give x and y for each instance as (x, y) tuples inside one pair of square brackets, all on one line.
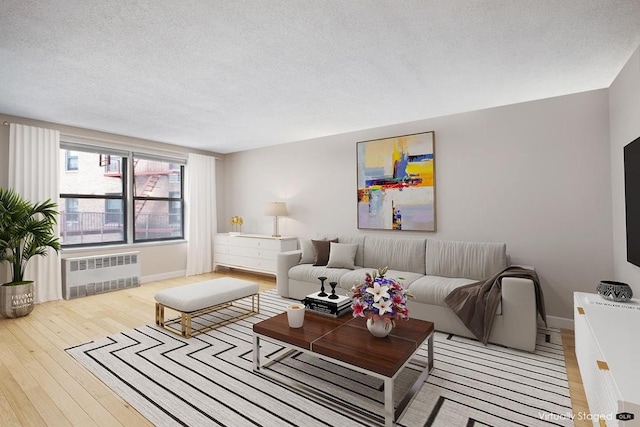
[(276, 209)]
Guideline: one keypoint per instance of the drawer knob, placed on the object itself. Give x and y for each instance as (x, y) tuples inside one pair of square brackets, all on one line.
[(602, 365), (580, 310)]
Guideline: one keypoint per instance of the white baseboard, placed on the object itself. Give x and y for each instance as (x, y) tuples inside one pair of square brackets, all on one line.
[(559, 322), (163, 276)]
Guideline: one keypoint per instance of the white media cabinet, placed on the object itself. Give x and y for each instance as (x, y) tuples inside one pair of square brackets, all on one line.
[(254, 252), (608, 353)]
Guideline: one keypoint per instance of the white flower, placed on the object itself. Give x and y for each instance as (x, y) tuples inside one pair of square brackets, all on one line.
[(383, 306), (378, 291)]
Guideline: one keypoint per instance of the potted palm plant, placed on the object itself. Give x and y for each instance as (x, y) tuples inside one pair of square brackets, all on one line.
[(26, 230)]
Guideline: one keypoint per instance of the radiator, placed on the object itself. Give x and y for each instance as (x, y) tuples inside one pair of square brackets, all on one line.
[(101, 273)]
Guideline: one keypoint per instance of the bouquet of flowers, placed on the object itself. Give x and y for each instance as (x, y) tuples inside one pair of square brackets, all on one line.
[(379, 298)]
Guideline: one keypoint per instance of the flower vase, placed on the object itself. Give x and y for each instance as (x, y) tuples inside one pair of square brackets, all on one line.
[(379, 328)]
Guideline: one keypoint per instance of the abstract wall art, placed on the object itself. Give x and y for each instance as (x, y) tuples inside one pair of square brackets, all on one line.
[(396, 183)]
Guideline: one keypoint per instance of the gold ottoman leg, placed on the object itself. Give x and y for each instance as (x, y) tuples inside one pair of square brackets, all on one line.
[(186, 325), (159, 314)]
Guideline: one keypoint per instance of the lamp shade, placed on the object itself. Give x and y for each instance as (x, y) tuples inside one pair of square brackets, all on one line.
[(276, 209)]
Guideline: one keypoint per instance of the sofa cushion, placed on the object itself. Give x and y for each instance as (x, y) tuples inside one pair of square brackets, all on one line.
[(310, 273), (342, 255), (357, 277), (321, 249), (470, 260), (357, 239), (402, 254), (308, 254)]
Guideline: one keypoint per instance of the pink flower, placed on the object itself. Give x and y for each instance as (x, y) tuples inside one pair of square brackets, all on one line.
[(398, 299), (358, 308)]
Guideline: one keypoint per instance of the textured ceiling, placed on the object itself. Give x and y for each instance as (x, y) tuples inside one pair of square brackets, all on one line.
[(226, 76)]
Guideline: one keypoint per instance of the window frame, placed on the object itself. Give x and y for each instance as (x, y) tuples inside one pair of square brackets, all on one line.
[(71, 209), (169, 200), (108, 211), (174, 211), (107, 196), (67, 161), (128, 198)]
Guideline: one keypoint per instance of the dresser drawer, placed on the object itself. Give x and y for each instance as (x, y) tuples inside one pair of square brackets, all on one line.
[(257, 243)]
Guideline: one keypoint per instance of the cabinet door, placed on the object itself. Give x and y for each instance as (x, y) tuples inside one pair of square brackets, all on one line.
[(597, 379)]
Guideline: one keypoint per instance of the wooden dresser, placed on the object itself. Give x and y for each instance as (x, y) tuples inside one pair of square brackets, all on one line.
[(607, 338), (254, 252)]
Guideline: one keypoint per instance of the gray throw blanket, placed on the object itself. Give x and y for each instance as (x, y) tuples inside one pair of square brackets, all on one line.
[(476, 303)]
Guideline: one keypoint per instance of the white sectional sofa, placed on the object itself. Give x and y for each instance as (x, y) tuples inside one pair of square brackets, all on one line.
[(429, 269)]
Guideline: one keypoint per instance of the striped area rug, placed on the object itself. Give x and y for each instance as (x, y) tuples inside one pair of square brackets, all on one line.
[(208, 381)]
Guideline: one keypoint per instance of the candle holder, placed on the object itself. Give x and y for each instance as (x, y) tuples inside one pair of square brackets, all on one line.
[(322, 292), (333, 291)]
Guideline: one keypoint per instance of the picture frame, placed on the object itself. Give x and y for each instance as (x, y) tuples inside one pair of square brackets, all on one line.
[(396, 183)]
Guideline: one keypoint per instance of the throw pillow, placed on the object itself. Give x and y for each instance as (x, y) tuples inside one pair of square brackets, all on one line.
[(322, 248), (308, 254), (342, 255)]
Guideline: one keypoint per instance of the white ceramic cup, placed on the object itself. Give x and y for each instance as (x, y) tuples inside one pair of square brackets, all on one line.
[(295, 315)]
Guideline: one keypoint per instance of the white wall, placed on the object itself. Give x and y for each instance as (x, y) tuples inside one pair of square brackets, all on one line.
[(624, 113), (534, 175)]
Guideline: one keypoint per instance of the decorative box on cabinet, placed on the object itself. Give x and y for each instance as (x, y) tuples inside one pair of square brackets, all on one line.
[(608, 348), (254, 252)]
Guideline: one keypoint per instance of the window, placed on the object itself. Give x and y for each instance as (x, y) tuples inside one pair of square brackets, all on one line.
[(114, 212), (90, 191), (175, 207), (158, 199), (112, 164), (70, 213), (119, 197), (71, 160)]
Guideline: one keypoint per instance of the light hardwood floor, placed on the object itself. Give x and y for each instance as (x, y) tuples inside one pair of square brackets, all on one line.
[(41, 385)]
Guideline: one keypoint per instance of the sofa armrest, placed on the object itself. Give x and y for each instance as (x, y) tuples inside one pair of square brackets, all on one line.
[(526, 267), (519, 311), (284, 262)]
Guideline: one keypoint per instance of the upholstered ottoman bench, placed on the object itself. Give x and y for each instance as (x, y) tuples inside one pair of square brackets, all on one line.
[(202, 298)]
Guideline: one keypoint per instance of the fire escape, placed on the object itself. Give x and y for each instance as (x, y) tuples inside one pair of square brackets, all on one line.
[(113, 168), (147, 189)]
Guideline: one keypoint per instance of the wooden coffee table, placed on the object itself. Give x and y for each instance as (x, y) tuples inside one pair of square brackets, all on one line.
[(347, 342)]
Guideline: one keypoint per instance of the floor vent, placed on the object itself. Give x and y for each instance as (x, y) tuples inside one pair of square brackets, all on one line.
[(97, 274)]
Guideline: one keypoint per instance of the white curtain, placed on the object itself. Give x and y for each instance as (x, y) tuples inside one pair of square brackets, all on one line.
[(34, 164), (200, 184)]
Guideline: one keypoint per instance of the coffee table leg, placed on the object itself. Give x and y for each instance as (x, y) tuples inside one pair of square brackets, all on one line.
[(256, 352), (430, 353), (389, 412)]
